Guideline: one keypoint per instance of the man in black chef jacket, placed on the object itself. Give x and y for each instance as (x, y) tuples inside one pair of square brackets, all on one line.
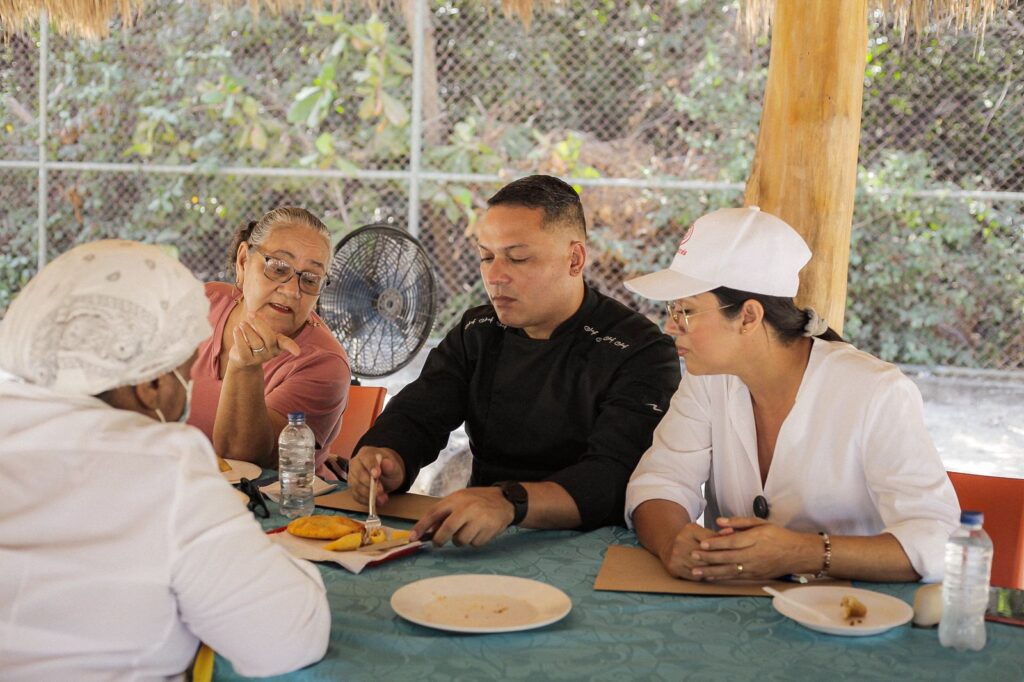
[(560, 387)]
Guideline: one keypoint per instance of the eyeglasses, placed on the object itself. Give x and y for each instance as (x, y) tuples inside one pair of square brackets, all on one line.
[(281, 271), (682, 318), (257, 503)]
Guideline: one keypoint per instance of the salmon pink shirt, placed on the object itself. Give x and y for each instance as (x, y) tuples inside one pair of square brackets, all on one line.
[(316, 382)]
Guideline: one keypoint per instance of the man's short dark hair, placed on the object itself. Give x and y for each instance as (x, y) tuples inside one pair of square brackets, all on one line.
[(561, 203)]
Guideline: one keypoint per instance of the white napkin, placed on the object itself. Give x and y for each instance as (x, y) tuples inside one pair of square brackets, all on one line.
[(320, 486), (305, 548)]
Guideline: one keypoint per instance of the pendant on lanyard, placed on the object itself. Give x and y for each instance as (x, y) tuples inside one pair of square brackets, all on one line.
[(760, 507)]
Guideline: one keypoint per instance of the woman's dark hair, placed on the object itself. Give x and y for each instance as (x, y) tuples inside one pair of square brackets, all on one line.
[(257, 231), (789, 321)]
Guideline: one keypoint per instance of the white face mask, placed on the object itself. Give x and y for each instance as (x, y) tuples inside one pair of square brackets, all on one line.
[(188, 400), (188, 397)]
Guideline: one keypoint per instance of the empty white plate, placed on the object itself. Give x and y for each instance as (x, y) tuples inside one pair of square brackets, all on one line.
[(480, 603), (883, 612)]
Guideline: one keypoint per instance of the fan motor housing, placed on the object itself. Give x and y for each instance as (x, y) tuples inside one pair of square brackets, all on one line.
[(389, 303)]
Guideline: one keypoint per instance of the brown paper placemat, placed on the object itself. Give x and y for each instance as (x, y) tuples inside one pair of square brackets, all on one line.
[(408, 506), (634, 569)]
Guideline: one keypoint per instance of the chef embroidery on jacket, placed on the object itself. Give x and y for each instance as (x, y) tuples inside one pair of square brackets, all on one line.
[(598, 338), (489, 319)]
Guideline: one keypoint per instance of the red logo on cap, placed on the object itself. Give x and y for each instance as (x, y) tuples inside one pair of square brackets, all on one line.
[(686, 237)]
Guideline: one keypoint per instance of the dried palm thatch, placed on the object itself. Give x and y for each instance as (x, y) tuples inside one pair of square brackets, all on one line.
[(87, 19), (755, 15), (92, 18)]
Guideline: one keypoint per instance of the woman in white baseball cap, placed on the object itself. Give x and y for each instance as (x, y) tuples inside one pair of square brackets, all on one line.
[(815, 455)]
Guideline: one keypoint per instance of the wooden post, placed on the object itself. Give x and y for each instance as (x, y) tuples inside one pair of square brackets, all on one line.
[(805, 167)]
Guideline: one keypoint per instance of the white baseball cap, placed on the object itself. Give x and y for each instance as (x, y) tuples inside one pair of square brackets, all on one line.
[(740, 248)]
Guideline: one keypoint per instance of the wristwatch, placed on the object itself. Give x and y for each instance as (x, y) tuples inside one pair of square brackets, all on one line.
[(514, 492)]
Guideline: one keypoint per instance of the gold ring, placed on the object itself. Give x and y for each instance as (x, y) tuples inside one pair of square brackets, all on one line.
[(258, 350), (739, 569)]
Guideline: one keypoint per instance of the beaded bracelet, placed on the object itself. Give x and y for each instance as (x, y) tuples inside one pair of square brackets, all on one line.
[(827, 564)]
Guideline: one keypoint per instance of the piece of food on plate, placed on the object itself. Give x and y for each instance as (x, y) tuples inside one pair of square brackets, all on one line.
[(325, 527), (353, 541), (853, 608), (223, 464), (350, 542)]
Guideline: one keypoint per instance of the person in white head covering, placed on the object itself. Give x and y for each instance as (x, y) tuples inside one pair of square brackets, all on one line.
[(121, 544), (815, 455)]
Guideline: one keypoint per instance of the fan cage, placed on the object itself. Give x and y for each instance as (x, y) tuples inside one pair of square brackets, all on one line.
[(381, 300)]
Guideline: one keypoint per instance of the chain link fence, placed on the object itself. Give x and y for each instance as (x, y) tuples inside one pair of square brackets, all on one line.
[(198, 120)]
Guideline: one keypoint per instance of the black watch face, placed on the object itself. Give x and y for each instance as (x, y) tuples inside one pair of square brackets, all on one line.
[(514, 492)]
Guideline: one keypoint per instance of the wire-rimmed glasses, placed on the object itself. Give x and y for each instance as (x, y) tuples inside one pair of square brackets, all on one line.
[(281, 271), (682, 318)]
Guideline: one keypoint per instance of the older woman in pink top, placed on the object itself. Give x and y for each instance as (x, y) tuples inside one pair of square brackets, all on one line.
[(270, 354)]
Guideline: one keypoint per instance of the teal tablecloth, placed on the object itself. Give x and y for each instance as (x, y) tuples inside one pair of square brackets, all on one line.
[(614, 635)]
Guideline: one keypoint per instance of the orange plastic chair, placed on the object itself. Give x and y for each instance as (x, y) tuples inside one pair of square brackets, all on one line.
[(364, 405), (1002, 502)]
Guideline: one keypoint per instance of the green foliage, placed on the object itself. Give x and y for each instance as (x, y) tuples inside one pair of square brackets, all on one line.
[(966, 129), (591, 90), (937, 280), (17, 260)]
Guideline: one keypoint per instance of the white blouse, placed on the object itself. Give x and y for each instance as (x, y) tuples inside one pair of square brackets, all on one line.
[(122, 546), (853, 456)]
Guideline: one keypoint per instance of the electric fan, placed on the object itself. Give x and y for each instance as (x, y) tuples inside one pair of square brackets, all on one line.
[(381, 299)]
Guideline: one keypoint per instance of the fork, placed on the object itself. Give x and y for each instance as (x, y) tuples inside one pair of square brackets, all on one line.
[(372, 521)]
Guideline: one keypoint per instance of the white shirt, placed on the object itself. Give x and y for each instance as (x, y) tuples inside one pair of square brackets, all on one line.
[(122, 546), (853, 456)]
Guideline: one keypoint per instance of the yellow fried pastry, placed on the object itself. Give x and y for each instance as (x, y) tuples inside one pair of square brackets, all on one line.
[(347, 543), (376, 537), (399, 535), (222, 463), (853, 608), (324, 527)]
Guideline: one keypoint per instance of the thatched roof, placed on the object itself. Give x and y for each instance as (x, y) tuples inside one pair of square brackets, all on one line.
[(974, 15), (92, 18)]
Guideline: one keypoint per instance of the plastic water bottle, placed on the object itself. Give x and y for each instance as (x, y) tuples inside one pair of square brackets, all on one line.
[(965, 587), (296, 451)]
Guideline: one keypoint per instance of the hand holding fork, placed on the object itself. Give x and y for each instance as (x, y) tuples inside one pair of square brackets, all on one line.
[(372, 520)]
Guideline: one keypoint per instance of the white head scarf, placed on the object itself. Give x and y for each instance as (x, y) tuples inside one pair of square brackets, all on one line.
[(106, 314)]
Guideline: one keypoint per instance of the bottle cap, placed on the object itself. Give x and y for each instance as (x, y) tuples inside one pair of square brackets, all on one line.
[(971, 518), (296, 416)]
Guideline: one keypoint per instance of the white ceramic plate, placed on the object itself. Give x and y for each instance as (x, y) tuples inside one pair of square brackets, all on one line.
[(240, 470), (884, 612), (480, 603)]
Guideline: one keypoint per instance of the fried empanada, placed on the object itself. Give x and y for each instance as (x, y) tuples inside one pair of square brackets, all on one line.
[(324, 527)]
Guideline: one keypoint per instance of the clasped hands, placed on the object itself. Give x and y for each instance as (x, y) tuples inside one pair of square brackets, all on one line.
[(744, 547), (472, 516)]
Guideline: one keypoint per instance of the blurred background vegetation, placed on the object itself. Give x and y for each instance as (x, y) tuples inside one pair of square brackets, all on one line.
[(316, 110)]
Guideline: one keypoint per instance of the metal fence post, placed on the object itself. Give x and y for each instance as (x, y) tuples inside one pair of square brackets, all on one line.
[(416, 123), (44, 47)]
